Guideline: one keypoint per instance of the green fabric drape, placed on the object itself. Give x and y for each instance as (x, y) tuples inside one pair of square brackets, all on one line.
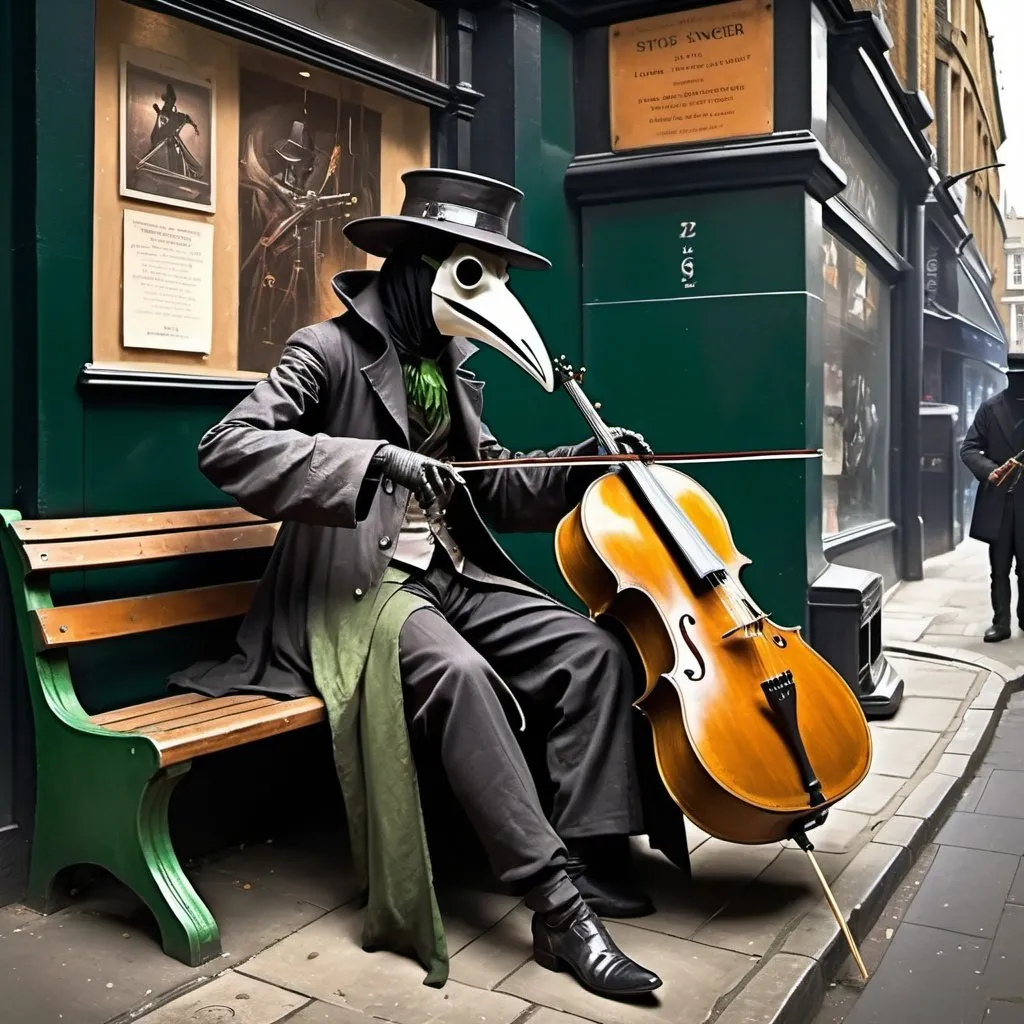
[(354, 650)]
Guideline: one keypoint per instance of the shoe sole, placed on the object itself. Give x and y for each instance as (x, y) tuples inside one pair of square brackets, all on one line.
[(551, 962)]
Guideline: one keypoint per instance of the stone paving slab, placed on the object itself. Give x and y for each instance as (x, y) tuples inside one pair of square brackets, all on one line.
[(231, 999), (325, 961)]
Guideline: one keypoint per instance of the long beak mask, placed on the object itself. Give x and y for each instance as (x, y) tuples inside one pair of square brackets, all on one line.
[(471, 299)]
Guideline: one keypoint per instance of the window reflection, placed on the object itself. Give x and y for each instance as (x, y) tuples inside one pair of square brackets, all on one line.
[(855, 488)]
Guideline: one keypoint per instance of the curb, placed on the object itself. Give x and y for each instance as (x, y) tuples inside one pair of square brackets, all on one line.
[(789, 986)]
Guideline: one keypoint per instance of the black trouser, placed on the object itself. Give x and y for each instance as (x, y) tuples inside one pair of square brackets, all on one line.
[(1005, 552), (574, 685)]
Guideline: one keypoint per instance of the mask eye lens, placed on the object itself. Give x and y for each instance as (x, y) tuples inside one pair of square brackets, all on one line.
[(469, 272)]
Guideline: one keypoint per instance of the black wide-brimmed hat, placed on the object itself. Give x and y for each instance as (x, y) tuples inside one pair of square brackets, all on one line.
[(452, 204)]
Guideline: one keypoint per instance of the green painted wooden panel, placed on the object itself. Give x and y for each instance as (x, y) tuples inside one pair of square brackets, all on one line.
[(140, 454), (722, 374), (738, 241), (64, 81)]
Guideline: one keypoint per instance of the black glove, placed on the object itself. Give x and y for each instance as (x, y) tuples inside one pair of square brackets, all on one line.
[(630, 440), (432, 482)]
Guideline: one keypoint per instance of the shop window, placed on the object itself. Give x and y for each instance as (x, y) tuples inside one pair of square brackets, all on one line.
[(401, 32), (224, 174), (870, 191), (855, 482), (1018, 325)]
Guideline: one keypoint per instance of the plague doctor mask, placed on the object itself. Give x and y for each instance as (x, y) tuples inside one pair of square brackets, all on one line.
[(466, 216)]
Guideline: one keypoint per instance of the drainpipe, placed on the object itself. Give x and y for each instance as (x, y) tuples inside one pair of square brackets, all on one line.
[(913, 46)]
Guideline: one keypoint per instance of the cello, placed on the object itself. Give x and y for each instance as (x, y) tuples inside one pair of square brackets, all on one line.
[(755, 734)]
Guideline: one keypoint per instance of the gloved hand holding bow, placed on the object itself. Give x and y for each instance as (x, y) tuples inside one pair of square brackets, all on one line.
[(432, 482), (632, 441)]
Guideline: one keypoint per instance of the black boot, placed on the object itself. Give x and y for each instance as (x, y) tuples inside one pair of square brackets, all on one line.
[(573, 938), (602, 870), (996, 634)]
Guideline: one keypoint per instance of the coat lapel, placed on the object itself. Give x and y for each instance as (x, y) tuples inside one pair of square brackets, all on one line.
[(358, 290), (465, 395)]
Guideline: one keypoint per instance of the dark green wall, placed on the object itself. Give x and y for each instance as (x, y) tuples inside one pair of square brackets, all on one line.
[(718, 366), (6, 413)]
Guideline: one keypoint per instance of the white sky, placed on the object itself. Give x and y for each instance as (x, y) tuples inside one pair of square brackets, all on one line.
[(1006, 25)]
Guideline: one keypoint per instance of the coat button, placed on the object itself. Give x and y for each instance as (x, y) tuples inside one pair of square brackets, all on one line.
[(384, 543), (358, 593), (388, 485)]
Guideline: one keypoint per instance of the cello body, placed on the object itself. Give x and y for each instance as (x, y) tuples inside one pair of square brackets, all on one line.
[(754, 733)]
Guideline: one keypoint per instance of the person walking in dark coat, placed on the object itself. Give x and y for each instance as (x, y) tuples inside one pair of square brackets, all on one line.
[(994, 439), (348, 443)]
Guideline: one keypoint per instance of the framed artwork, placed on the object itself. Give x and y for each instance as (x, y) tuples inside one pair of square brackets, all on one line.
[(167, 132), (309, 162)]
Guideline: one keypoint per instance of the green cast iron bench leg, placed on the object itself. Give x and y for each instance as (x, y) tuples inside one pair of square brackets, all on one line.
[(103, 800)]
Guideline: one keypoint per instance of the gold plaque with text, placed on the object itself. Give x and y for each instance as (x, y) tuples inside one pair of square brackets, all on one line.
[(692, 76)]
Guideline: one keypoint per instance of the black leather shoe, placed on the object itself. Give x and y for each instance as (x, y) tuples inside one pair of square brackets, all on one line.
[(575, 940), (996, 634)]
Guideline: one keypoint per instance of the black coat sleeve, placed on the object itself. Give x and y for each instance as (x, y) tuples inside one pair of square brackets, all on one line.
[(974, 449), (267, 454), (531, 499)]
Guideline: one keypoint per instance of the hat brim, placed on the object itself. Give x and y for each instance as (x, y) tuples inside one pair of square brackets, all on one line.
[(380, 236)]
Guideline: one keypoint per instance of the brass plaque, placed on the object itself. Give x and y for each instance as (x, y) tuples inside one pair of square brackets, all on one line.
[(692, 76)]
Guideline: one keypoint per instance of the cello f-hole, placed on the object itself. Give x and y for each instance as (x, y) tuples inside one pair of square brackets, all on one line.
[(695, 675)]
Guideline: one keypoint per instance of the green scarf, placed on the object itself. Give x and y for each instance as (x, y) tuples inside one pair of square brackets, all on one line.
[(426, 389)]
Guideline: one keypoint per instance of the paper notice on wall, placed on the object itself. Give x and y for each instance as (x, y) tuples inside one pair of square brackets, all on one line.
[(168, 283)]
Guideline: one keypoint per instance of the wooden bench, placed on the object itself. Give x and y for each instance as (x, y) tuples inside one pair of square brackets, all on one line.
[(104, 781)]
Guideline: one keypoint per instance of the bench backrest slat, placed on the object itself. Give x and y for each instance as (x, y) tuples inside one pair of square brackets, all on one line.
[(104, 620), (132, 550), (31, 531)]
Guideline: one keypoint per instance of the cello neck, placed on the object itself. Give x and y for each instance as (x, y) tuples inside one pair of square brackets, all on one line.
[(597, 426), (662, 509)]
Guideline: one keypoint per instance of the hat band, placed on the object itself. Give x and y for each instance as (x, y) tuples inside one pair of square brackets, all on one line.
[(455, 214)]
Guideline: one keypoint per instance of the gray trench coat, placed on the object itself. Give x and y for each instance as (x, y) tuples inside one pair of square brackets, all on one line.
[(298, 448)]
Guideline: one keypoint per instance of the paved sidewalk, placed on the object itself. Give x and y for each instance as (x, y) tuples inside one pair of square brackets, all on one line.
[(750, 941), (949, 948)]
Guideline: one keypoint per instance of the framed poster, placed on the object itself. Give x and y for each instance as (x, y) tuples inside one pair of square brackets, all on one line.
[(309, 161), (693, 76), (168, 132)]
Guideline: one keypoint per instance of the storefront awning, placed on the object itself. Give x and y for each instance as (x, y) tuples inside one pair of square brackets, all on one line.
[(976, 306)]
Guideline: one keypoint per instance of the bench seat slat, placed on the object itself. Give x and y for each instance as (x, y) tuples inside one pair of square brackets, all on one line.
[(111, 719), (103, 620), (32, 531), (244, 727), (111, 551), (209, 724), (161, 717)]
